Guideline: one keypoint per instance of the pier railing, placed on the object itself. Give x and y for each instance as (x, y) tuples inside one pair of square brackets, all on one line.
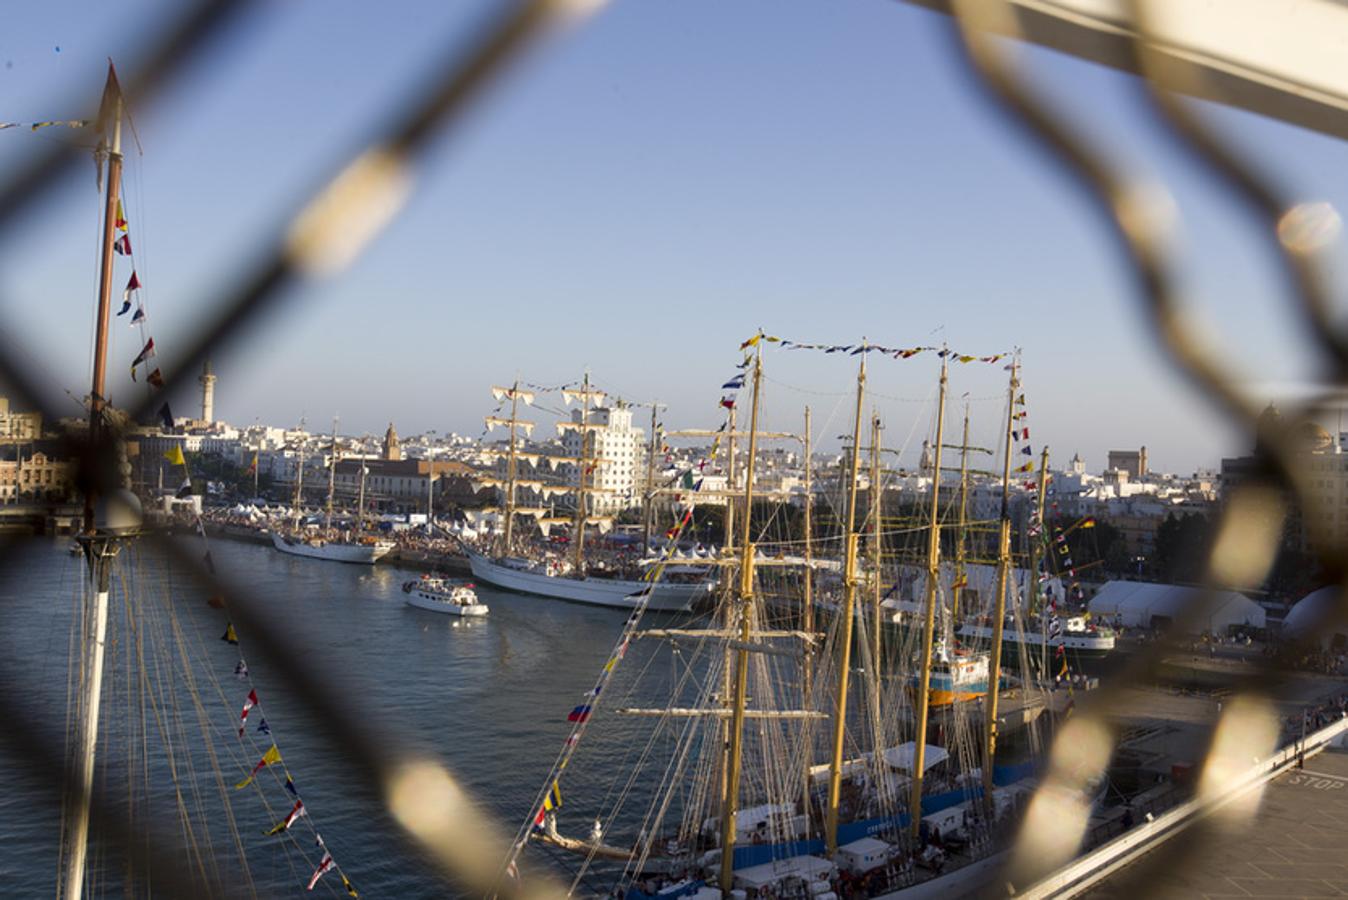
[(353, 203)]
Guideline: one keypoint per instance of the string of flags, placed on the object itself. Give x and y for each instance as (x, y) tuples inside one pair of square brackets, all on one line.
[(252, 709), (61, 123), (271, 758), (579, 716), (864, 347), (131, 297)]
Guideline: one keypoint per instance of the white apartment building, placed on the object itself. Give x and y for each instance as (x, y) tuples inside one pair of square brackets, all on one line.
[(618, 446), (19, 426)]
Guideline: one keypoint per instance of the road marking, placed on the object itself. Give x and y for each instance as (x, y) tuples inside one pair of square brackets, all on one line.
[(1320, 781)]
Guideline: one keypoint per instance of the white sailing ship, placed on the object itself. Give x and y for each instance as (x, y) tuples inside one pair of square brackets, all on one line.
[(360, 549), (569, 581)]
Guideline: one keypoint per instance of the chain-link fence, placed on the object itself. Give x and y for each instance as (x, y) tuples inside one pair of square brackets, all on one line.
[(351, 206)]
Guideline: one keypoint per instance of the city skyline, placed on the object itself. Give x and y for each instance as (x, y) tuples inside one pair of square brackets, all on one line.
[(612, 207)]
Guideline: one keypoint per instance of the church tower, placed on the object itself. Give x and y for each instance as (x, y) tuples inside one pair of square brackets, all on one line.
[(391, 449)]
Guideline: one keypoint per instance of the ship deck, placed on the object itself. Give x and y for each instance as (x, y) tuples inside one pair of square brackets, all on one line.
[(1292, 848)]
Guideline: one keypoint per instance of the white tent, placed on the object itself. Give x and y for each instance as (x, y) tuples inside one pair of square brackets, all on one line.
[(805, 868), (1140, 604), (1315, 619)]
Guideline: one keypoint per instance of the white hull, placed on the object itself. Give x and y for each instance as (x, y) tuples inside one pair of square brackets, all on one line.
[(423, 600), (1077, 642), (361, 554), (594, 591)]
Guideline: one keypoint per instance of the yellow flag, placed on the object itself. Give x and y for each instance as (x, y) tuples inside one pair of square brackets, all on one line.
[(175, 455), (270, 758)]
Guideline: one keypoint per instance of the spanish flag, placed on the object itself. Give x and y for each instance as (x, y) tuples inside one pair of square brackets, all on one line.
[(252, 466), (175, 455), (270, 758)]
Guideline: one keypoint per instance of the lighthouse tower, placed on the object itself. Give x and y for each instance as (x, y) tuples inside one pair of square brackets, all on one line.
[(207, 381)]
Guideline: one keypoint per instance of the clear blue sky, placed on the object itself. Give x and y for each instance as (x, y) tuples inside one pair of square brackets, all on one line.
[(638, 197)]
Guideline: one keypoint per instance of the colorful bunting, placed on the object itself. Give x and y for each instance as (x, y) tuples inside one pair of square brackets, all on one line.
[(271, 758), (249, 702), (229, 637), (296, 812), (323, 866)]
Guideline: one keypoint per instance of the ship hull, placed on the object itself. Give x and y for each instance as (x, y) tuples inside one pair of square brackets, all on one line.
[(423, 600), (358, 554), (1079, 646), (611, 592)]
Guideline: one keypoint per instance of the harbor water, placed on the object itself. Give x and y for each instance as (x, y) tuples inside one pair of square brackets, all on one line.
[(489, 698)]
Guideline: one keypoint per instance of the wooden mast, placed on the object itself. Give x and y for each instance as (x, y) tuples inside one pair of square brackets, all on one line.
[(360, 499), (100, 547), (728, 523), (999, 608), (746, 613), (512, 471), (845, 637), (1036, 597), (876, 549), (929, 625), (960, 554), (299, 479), (648, 495), (807, 612), (578, 539), (332, 477)]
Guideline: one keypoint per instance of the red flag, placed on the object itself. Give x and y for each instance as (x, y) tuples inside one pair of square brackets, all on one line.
[(132, 285), (248, 704), (323, 866), (122, 245)]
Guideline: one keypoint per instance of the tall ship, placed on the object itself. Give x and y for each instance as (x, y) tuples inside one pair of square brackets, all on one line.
[(794, 748), (518, 564), (347, 546)]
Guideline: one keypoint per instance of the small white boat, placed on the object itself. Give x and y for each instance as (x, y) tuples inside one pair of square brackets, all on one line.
[(456, 598)]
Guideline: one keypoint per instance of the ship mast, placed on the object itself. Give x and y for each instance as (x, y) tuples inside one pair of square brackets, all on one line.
[(958, 588), (807, 609), (929, 625), (731, 803), (100, 544), (876, 549), (648, 495), (360, 502), (299, 479), (332, 477), (583, 467), (1036, 589), (999, 609), (728, 522), (845, 637), (511, 472)]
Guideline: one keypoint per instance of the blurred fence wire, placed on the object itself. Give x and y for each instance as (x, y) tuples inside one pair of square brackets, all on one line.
[(356, 202)]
